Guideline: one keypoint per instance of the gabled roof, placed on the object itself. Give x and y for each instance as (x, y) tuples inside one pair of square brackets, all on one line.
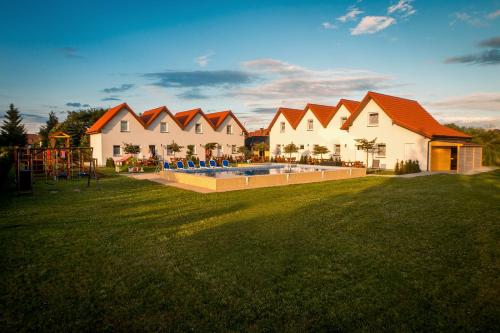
[(259, 132), (148, 117), (106, 117), (292, 115), (349, 104), (185, 117), (218, 118), (324, 113), (406, 113)]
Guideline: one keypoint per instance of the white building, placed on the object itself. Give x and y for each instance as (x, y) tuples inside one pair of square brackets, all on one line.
[(403, 129), (157, 128)]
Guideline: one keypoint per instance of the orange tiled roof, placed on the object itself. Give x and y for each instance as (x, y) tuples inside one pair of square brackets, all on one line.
[(149, 116), (292, 115), (106, 117), (406, 113), (349, 104), (324, 113), (259, 132), (217, 118), (185, 117)]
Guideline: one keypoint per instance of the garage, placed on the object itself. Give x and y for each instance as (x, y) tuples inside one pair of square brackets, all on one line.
[(458, 157)]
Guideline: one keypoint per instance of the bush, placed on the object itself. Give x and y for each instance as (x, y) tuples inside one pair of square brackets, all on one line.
[(404, 167), (110, 163)]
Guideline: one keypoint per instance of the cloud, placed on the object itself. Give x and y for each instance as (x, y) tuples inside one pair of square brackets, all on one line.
[(372, 24), (194, 93), (77, 105), (484, 101), (493, 15), (403, 8), (489, 57), (111, 98), (273, 66), (328, 25), (493, 42), (351, 15), (263, 110), (218, 78), (124, 87), (470, 120), (70, 52), (203, 60), (466, 18)]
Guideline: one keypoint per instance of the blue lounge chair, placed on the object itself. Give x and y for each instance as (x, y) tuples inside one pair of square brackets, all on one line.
[(225, 163), (191, 164), (180, 165), (203, 165), (166, 166), (213, 164)]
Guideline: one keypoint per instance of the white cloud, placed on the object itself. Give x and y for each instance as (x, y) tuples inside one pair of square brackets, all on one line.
[(351, 15), (470, 120), (372, 24), (328, 25), (403, 7), (483, 101), (273, 66), (203, 60), (493, 15), (466, 18)]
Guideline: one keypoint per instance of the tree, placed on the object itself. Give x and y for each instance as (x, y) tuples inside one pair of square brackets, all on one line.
[(320, 150), (12, 131), (290, 149), (367, 146), (244, 151), (209, 147), (45, 130), (131, 148), (190, 151), (174, 147), (260, 147), (77, 123)]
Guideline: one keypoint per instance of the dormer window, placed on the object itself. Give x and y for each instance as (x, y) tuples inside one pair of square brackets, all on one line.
[(198, 129), (310, 125), (342, 121), (373, 119), (282, 127), (229, 129), (163, 127), (124, 126)]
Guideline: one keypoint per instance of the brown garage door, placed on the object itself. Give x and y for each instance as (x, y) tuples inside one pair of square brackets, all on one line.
[(441, 158)]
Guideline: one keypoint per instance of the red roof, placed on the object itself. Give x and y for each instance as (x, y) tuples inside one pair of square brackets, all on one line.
[(217, 118), (349, 104), (106, 117), (185, 117), (259, 132), (292, 115), (406, 113), (324, 113)]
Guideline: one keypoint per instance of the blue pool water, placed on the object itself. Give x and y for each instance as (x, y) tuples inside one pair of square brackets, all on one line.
[(250, 171)]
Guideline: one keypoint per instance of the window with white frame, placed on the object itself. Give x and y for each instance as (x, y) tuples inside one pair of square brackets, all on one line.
[(373, 119), (116, 150), (301, 146), (164, 127), (282, 127), (124, 126), (336, 150), (234, 150), (342, 121), (310, 125), (229, 129), (381, 150), (198, 128), (169, 151)]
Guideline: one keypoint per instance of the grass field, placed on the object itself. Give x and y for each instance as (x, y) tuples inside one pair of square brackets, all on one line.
[(369, 254)]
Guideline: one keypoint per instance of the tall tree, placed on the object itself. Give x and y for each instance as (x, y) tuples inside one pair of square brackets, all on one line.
[(44, 132), (320, 150), (77, 122), (12, 131), (367, 145)]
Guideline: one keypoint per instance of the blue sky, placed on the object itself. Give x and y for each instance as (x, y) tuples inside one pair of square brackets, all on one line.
[(250, 56)]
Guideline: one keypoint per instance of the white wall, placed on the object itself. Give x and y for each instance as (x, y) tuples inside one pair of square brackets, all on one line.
[(394, 136), (111, 135)]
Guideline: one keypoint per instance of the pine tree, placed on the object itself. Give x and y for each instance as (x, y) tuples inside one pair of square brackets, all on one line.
[(49, 125), (396, 169), (12, 131)]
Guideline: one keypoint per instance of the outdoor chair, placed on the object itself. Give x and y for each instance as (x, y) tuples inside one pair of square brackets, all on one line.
[(166, 166), (180, 165), (203, 164), (213, 164), (191, 164), (375, 165), (225, 163)]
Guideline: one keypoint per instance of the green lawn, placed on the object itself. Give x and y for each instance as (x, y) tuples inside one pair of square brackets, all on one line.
[(370, 254)]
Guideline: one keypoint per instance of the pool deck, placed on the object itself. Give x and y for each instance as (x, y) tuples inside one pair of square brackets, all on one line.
[(154, 177)]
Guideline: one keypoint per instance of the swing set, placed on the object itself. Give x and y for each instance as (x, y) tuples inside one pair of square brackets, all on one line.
[(56, 162)]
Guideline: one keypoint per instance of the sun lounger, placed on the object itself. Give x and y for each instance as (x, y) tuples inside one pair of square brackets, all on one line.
[(213, 164), (203, 165), (225, 163), (180, 165), (191, 164), (166, 166)]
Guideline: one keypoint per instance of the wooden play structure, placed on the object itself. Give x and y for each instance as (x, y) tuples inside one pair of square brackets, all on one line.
[(56, 162)]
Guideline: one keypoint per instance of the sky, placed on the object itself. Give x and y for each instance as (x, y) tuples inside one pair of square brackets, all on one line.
[(249, 56)]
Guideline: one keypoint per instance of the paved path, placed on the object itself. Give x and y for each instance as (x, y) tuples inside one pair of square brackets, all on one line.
[(430, 173)]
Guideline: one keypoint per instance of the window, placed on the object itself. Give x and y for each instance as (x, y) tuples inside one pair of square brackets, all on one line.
[(373, 119), (152, 150), (124, 126), (282, 127), (233, 149), (301, 146), (359, 147), (381, 150), (169, 151), (310, 125), (198, 129), (342, 121), (195, 150), (336, 150), (229, 129), (163, 127), (116, 150)]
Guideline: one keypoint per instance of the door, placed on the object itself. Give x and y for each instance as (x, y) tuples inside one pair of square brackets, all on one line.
[(453, 163), (441, 158)]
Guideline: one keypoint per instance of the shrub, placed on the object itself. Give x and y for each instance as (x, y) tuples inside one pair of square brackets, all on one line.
[(110, 163), (397, 171)]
